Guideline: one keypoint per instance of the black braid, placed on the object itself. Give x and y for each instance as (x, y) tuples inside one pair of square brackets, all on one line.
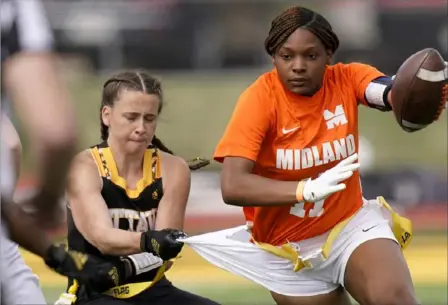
[(194, 164), (140, 81), (292, 19), (157, 143)]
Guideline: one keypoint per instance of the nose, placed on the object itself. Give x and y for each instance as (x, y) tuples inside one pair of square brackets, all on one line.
[(140, 128), (298, 65)]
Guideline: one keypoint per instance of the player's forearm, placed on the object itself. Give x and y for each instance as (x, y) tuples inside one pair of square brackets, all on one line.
[(33, 82), (117, 242), (253, 190)]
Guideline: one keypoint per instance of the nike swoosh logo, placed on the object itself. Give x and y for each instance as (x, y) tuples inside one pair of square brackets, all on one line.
[(368, 229), (286, 131)]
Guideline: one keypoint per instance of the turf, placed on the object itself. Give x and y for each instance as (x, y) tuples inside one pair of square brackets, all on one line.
[(254, 295)]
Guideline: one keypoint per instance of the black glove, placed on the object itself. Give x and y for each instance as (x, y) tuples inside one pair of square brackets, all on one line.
[(95, 272), (162, 243)]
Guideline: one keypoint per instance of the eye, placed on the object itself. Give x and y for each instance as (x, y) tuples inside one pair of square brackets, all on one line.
[(131, 117), (312, 56), (285, 56), (150, 118)]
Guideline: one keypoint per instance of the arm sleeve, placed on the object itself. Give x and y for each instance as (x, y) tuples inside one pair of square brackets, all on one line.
[(248, 125), (361, 76)]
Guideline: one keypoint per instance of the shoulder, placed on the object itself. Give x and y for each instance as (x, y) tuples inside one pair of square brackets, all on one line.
[(352, 74), (84, 159), (174, 167), (261, 87), (348, 70), (258, 96), (83, 168)]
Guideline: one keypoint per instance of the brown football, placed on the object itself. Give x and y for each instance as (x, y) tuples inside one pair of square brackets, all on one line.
[(420, 90)]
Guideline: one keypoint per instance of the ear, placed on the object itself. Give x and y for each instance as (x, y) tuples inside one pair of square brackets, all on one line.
[(105, 115)]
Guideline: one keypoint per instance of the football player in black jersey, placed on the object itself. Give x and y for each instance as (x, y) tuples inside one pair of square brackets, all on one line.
[(127, 198)]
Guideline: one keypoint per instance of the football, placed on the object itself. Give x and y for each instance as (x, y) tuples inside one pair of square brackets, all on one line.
[(420, 90)]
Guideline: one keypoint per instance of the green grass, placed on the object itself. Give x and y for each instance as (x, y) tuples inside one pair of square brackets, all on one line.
[(255, 295), (198, 107)]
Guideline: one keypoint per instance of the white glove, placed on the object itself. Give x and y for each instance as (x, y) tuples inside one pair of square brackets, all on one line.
[(329, 182)]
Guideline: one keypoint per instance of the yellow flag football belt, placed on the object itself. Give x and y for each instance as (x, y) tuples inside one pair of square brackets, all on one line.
[(119, 292), (401, 227)]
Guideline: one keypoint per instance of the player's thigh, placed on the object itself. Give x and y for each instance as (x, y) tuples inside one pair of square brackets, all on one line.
[(371, 266), (336, 297), (377, 274)]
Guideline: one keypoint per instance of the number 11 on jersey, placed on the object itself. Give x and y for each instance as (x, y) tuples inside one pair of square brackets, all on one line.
[(299, 209)]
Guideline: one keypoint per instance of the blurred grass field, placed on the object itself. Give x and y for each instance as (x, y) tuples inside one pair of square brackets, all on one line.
[(198, 107), (426, 256)]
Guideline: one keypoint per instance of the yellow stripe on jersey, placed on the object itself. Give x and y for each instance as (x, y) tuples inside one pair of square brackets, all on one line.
[(108, 169)]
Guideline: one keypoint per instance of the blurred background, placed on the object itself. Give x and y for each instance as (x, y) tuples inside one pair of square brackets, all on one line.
[(206, 52)]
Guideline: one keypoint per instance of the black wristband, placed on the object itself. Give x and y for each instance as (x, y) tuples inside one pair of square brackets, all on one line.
[(129, 268), (388, 106)]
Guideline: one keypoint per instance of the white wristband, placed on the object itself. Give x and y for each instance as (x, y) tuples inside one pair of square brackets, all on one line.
[(144, 262)]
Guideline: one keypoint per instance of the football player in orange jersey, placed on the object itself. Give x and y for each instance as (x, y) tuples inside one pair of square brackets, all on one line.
[(289, 159)]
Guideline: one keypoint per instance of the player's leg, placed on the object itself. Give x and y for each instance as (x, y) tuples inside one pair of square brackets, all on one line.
[(377, 274), (19, 284), (373, 268)]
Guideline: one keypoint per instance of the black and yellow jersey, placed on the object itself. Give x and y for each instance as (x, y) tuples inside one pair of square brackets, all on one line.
[(130, 209)]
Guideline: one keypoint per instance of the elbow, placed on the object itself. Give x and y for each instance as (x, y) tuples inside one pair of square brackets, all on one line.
[(231, 190), (100, 241), (104, 248)]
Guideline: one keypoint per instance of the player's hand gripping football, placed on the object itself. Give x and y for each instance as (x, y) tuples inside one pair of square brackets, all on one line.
[(162, 243), (330, 181), (99, 274)]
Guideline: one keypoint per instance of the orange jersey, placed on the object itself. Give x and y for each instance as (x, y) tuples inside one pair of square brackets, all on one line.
[(291, 138)]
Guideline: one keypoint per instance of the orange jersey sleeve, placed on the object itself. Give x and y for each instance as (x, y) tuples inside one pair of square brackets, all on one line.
[(360, 76), (248, 125)]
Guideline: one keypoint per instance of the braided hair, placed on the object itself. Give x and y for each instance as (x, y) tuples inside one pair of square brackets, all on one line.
[(299, 17), (139, 81)]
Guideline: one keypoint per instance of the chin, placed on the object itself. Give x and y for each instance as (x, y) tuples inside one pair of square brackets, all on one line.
[(135, 147), (301, 91), (305, 91)]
